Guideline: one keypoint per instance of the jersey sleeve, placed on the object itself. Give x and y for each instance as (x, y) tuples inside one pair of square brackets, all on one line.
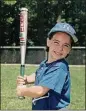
[(54, 80)]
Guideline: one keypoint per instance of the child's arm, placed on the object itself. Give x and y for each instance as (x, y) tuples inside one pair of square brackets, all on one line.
[(31, 78), (26, 79), (33, 91)]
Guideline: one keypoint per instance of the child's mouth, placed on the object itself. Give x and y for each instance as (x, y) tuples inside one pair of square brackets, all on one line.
[(57, 53)]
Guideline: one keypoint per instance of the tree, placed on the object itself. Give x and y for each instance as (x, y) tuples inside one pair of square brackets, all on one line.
[(43, 15)]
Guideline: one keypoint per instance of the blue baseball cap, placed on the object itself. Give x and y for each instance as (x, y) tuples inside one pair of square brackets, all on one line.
[(64, 27)]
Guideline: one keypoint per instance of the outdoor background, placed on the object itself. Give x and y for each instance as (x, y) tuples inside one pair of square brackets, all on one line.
[(42, 16)]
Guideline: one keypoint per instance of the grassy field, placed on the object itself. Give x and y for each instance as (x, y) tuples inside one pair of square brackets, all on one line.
[(10, 101)]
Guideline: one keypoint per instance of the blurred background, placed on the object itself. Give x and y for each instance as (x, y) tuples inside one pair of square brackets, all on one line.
[(42, 16)]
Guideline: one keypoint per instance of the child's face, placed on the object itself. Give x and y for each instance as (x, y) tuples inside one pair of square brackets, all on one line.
[(59, 46)]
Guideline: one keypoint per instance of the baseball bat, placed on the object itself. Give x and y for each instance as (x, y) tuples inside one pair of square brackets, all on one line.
[(23, 39)]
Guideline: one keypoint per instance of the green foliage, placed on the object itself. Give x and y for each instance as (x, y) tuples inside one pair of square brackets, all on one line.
[(9, 2), (42, 15)]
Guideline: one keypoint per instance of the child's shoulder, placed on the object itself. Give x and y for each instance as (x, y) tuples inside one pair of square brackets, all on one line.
[(43, 62), (62, 64)]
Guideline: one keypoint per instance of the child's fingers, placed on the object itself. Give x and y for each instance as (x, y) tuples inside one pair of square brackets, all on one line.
[(20, 80), (25, 77), (20, 77)]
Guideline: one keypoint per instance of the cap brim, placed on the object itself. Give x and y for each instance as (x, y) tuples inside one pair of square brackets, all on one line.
[(72, 36)]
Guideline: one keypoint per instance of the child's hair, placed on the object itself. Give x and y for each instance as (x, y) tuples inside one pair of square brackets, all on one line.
[(51, 36)]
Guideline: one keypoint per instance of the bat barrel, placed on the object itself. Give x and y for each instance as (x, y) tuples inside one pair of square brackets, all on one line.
[(23, 37), (23, 25)]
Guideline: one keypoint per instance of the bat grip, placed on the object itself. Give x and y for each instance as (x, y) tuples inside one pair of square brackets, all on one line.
[(22, 71)]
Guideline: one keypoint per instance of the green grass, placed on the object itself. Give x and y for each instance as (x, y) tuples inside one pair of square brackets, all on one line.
[(9, 99), (77, 88)]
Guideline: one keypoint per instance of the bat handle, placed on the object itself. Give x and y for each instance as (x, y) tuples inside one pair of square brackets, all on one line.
[(21, 97), (22, 71)]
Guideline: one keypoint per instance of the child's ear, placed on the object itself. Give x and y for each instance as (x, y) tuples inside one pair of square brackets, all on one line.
[(69, 51), (48, 42)]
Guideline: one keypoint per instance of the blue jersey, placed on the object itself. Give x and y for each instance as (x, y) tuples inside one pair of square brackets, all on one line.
[(56, 77)]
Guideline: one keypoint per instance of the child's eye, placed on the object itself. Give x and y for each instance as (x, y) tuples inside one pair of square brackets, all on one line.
[(67, 46), (56, 43)]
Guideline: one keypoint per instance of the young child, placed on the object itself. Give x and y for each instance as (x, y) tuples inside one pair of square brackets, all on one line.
[(52, 79)]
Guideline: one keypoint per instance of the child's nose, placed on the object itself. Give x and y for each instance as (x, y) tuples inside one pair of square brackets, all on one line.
[(60, 48)]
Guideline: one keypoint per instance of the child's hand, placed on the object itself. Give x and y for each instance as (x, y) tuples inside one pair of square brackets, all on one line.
[(21, 80), (20, 90)]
